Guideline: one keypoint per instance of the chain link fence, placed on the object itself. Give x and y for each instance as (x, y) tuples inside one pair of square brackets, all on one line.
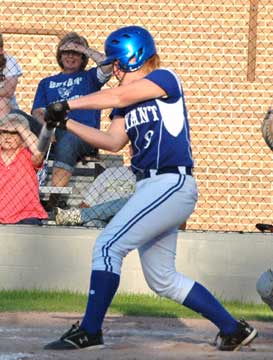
[(223, 54)]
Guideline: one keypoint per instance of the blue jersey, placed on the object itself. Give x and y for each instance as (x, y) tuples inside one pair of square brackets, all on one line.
[(70, 86), (159, 129)]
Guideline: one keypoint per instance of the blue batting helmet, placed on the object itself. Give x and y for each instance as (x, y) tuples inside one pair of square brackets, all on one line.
[(127, 43)]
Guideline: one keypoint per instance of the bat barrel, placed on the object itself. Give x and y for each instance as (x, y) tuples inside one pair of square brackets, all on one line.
[(45, 138)]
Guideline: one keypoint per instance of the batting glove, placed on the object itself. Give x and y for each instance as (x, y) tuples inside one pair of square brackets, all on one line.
[(56, 115)]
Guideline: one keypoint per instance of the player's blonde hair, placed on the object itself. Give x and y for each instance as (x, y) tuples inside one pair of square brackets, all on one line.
[(151, 64)]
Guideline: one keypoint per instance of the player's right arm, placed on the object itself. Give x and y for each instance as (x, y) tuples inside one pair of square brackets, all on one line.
[(113, 139)]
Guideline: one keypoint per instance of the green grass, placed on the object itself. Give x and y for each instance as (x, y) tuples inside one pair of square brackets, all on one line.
[(126, 304)]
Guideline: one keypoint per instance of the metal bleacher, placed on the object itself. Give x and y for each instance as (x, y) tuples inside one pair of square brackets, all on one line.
[(83, 175)]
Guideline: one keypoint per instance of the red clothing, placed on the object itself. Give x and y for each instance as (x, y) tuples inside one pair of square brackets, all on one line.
[(19, 190)]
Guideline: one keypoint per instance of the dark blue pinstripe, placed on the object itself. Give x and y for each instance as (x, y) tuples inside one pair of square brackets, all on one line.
[(139, 216)]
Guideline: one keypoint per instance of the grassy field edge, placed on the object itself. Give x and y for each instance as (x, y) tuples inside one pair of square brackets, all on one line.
[(124, 304)]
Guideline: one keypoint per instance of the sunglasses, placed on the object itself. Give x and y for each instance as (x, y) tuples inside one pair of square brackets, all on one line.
[(71, 52), (11, 132)]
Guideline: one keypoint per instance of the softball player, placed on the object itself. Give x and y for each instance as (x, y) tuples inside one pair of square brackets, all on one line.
[(150, 113)]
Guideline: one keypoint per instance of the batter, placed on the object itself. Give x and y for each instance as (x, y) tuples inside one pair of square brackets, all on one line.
[(150, 114)]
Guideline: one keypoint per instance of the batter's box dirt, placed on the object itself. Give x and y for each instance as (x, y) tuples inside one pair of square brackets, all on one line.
[(23, 335)]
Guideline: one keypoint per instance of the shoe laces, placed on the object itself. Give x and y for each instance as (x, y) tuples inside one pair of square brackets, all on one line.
[(244, 327), (243, 322), (75, 327)]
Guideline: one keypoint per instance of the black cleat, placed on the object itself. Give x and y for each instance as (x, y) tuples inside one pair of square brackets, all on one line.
[(76, 338), (243, 336)]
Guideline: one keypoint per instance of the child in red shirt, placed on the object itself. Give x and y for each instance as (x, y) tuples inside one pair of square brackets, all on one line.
[(19, 161)]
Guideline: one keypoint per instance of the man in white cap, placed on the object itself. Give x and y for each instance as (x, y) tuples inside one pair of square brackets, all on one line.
[(10, 71)]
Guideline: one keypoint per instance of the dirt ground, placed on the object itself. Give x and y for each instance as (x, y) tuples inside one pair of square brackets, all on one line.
[(23, 335)]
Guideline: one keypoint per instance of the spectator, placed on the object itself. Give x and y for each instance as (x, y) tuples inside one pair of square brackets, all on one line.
[(19, 160), (104, 198), (113, 183), (97, 215), (72, 82), (107, 194), (10, 71)]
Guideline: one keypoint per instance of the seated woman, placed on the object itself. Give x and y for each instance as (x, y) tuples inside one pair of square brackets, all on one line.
[(19, 160)]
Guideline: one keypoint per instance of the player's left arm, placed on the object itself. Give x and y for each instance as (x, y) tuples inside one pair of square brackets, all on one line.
[(115, 138), (122, 96)]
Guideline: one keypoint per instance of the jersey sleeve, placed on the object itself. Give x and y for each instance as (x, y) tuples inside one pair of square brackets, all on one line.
[(167, 80), (40, 96), (117, 112), (96, 78)]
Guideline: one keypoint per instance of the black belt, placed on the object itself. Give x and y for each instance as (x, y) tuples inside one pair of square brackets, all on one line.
[(184, 170)]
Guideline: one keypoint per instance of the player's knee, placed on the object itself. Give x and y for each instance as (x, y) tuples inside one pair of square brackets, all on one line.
[(165, 286), (174, 285), (111, 258)]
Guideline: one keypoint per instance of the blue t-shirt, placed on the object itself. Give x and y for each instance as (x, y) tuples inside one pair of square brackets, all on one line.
[(159, 129), (70, 86)]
